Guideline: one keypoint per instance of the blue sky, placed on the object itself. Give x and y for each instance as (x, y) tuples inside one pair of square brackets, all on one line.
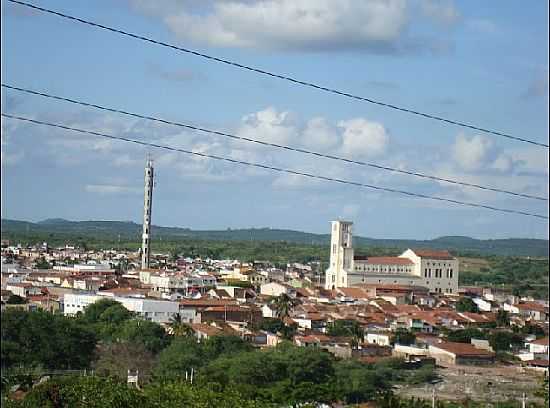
[(470, 61)]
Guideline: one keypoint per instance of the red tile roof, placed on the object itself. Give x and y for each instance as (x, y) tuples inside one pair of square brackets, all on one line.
[(541, 342), (385, 260), (464, 349), (433, 254), (532, 306)]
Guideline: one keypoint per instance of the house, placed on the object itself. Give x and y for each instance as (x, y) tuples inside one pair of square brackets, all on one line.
[(205, 331), (277, 289), (381, 339), (528, 310), (23, 289), (269, 311), (539, 346), (249, 314), (460, 354)]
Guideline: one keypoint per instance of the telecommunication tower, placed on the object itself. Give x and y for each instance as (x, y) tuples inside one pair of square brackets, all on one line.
[(147, 205)]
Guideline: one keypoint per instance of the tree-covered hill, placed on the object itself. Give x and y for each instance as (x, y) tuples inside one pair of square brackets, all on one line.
[(129, 231)]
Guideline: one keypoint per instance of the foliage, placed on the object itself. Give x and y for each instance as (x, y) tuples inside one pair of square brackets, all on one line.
[(178, 327), (465, 304), (16, 300), (41, 263), (404, 337), (149, 334), (96, 392), (105, 316), (115, 359), (503, 318), (185, 353), (274, 325), (529, 328), (283, 304), (42, 338), (504, 340), (465, 335), (349, 328)]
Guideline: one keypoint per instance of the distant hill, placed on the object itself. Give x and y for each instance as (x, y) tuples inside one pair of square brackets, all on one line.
[(131, 231)]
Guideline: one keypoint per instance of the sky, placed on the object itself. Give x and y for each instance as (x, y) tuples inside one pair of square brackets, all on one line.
[(465, 60)]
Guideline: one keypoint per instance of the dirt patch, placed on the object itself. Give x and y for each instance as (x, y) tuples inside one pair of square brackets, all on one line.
[(488, 384)]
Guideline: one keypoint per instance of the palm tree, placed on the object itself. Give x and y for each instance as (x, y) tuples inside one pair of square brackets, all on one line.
[(283, 305), (178, 327)]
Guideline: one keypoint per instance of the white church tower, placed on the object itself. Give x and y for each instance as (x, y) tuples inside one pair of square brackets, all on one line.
[(341, 255), (147, 205)]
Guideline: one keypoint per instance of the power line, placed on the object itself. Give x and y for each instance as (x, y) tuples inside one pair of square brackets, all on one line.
[(278, 146), (278, 169), (275, 75)]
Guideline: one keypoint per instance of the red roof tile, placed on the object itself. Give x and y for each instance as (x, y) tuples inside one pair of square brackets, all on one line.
[(433, 254)]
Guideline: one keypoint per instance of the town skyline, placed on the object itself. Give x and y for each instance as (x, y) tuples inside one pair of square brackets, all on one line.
[(494, 84)]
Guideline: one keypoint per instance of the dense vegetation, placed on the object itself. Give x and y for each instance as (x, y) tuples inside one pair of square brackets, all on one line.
[(131, 232), (109, 340), (521, 275)]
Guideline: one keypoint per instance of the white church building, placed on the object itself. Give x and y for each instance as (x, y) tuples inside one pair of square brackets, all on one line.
[(434, 269)]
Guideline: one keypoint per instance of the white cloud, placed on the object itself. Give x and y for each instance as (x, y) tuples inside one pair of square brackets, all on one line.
[(474, 153), (378, 26), (111, 189), (362, 138), (319, 134), (269, 125)]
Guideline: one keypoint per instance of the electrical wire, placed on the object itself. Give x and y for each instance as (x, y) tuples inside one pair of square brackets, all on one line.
[(278, 146), (277, 169), (275, 75)]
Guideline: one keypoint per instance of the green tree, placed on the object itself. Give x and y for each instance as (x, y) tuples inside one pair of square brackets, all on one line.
[(180, 356), (504, 340), (283, 305), (178, 327), (465, 304), (115, 359), (348, 328), (503, 318), (465, 335), (16, 300), (404, 337), (151, 335), (41, 263), (41, 338)]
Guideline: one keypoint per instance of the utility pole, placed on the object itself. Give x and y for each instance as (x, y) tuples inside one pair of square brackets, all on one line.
[(433, 397), (523, 401), (147, 206)]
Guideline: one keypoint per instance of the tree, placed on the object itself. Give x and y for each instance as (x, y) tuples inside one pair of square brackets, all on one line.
[(151, 335), (115, 359), (283, 305), (180, 356), (41, 263), (466, 335), (466, 304), (504, 340), (348, 328), (503, 318), (178, 327), (41, 338), (16, 300), (404, 337)]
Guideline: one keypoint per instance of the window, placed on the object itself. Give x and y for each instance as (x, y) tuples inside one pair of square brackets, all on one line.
[(333, 248)]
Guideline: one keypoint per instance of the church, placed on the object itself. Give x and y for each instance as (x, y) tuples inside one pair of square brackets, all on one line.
[(436, 270)]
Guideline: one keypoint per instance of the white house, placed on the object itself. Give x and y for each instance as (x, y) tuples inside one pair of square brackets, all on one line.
[(277, 289), (158, 311), (382, 339)]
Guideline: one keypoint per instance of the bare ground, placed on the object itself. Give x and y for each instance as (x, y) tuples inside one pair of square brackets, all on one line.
[(495, 383)]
